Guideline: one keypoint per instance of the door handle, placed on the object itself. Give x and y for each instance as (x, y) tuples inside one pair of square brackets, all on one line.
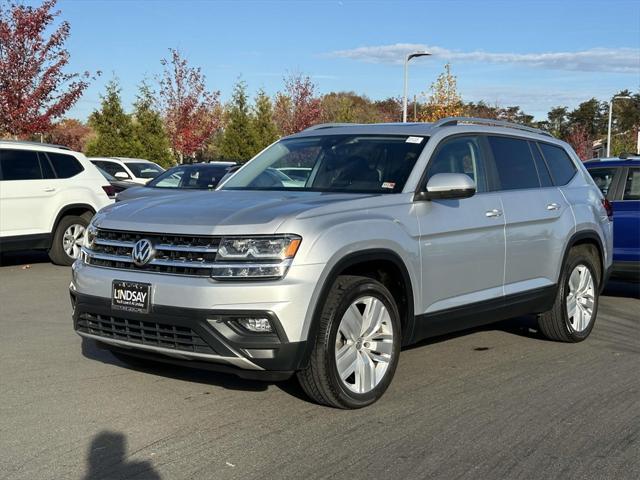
[(493, 213), (50, 189), (553, 206)]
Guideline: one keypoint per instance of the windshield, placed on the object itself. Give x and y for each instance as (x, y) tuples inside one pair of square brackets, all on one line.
[(190, 176), (144, 169), (332, 163)]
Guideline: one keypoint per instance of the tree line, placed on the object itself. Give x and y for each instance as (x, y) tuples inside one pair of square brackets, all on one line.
[(176, 118)]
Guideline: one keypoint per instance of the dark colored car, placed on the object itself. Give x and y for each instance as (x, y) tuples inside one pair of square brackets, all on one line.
[(117, 185), (619, 181), (195, 176)]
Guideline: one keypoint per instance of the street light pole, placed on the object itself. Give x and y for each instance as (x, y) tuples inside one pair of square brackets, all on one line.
[(610, 117), (406, 80)]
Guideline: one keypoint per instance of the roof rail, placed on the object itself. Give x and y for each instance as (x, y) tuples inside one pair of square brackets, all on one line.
[(321, 126), (29, 142), (449, 121)]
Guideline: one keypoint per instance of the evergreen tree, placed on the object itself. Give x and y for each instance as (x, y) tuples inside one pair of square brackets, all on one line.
[(239, 139), (148, 129), (265, 129), (592, 115), (113, 127)]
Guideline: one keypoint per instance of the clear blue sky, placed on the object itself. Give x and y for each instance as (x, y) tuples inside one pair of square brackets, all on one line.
[(533, 54)]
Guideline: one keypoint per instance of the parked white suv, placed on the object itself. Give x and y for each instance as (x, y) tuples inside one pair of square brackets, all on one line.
[(48, 195), (399, 232), (135, 170)]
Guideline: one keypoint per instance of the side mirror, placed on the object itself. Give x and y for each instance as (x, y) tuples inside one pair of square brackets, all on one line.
[(448, 186), (122, 176)]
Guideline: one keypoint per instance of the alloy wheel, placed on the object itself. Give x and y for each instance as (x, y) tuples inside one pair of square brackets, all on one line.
[(580, 299), (72, 239), (364, 344)]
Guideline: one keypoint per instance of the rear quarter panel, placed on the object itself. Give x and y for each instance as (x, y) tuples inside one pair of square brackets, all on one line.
[(590, 215)]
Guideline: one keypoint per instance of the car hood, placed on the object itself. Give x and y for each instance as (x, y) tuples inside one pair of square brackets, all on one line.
[(138, 191), (224, 212)]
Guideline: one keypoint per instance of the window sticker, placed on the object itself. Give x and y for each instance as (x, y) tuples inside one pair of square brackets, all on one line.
[(414, 139), (390, 185)]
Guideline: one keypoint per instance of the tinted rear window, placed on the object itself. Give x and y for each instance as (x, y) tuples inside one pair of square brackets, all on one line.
[(66, 166), (561, 166), (45, 165), (514, 163), (19, 165), (543, 171)]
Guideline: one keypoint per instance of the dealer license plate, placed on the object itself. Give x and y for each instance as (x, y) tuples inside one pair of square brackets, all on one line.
[(131, 296)]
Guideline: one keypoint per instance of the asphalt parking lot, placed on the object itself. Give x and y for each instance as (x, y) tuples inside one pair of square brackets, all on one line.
[(498, 402)]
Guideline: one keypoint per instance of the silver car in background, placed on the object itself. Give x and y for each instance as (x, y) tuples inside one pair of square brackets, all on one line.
[(400, 232)]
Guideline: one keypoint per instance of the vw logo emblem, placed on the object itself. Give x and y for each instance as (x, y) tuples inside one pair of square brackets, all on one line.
[(142, 252)]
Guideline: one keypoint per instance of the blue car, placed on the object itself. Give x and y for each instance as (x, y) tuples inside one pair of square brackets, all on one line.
[(619, 181)]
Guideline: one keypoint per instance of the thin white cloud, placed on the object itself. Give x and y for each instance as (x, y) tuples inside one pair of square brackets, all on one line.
[(615, 60)]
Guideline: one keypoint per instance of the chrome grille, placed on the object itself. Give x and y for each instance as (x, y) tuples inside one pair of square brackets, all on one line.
[(175, 254), (145, 333)]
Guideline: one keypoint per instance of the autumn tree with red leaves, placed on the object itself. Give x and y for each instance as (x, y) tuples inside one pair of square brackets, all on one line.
[(71, 133), (34, 89), (191, 112), (297, 107), (581, 141)]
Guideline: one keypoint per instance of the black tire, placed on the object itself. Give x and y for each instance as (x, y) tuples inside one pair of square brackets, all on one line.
[(57, 253), (320, 379), (555, 323)]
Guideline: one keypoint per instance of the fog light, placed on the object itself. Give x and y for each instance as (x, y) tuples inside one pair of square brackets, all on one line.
[(257, 325)]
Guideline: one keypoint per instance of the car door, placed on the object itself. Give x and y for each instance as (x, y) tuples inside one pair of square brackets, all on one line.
[(25, 188), (537, 216), (461, 240), (626, 219)]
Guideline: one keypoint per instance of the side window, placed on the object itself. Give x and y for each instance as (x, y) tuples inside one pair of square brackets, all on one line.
[(111, 167), (514, 163), (45, 165), (603, 177), (541, 166), (632, 186), (20, 165), (460, 155), (560, 164), (66, 166)]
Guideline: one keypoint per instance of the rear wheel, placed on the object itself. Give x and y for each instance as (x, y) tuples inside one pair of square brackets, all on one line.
[(358, 344), (68, 239), (573, 314)]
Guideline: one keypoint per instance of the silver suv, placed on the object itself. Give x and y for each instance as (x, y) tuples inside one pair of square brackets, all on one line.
[(395, 233)]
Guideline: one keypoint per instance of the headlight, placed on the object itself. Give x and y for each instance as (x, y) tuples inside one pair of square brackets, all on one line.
[(255, 257), (90, 234)]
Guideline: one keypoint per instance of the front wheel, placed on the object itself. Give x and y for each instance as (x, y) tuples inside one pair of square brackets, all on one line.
[(574, 311), (68, 239), (357, 346)]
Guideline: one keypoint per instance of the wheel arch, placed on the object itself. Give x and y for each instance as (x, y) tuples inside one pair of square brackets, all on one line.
[(363, 263), (587, 237), (71, 209)]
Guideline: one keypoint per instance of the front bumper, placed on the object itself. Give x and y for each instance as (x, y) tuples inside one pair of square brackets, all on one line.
[(198, 338)]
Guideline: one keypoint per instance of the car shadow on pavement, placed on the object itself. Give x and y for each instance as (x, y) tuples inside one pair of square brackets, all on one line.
[(526, 326), (621, 288), (91, 350), (11, 259), (107, 459)]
